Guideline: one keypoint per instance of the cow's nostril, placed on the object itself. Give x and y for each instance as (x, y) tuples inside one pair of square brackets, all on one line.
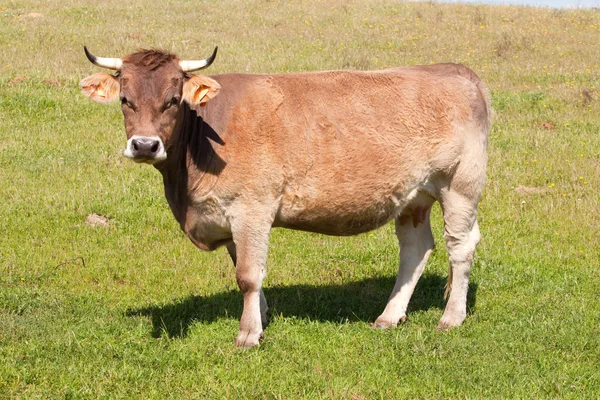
[(145, 147)]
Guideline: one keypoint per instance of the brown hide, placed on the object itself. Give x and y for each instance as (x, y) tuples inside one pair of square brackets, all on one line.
[(330, 152)]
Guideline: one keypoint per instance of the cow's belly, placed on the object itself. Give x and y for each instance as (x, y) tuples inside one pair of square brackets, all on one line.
[(336, 223), (348, 215)]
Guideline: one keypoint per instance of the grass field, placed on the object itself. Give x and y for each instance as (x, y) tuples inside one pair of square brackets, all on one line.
[(133, 309)]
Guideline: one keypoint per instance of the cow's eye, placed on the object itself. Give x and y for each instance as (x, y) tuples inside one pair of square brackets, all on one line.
[(173, 102), (126, 102)]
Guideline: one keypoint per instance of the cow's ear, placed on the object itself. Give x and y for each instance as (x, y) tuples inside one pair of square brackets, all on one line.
[(100, 87), (200, 89)]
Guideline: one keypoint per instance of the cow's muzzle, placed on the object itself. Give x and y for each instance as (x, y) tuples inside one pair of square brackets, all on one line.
[(145, 149)]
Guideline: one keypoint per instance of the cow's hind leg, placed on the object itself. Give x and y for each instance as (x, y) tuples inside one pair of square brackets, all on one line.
[(461, 233), (416, 243)]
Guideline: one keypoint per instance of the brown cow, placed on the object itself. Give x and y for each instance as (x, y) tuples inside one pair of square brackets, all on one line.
[(336, 152)]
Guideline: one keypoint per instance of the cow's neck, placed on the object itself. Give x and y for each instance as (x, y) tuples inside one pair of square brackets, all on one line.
[(187, 169)]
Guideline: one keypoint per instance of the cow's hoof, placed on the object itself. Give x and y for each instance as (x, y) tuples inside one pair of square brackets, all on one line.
[(245, 340), (381, 323), (449, 322)]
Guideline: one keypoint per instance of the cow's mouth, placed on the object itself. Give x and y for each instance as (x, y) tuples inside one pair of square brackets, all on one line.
[(140, 160)]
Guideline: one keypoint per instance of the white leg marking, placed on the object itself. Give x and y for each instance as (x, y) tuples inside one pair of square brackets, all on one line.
[(264, 308), (461, 232), (416, 244), (251, 245)]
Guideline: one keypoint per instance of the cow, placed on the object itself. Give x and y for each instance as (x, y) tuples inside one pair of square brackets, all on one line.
[(332, 152)]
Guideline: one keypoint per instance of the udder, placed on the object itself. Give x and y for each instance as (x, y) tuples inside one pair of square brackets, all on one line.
[(416, 209)]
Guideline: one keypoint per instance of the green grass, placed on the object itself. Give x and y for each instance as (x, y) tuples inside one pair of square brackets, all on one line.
[(134, 310)]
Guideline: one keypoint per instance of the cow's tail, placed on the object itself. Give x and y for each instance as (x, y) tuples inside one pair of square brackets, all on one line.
[(448, 287), (485, 94)]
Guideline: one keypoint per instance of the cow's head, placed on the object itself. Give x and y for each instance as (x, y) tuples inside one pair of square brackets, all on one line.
[(151, 86)]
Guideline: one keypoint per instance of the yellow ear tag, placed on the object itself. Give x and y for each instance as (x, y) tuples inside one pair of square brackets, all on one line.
[(100, 92), (201, 95)]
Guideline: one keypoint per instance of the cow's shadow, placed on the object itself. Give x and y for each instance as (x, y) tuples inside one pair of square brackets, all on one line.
[(355, 301)]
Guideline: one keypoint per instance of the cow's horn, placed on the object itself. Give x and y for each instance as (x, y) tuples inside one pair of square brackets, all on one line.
[(194, 65), (110, 63)]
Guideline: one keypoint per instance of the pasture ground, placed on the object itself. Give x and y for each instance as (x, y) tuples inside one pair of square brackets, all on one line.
[(132, 309)]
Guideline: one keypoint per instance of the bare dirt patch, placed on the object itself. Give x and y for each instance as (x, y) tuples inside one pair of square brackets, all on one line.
[(95, 220)]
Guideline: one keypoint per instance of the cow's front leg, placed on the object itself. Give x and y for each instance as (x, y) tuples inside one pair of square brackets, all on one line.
[(264, 307), (251, 243)]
